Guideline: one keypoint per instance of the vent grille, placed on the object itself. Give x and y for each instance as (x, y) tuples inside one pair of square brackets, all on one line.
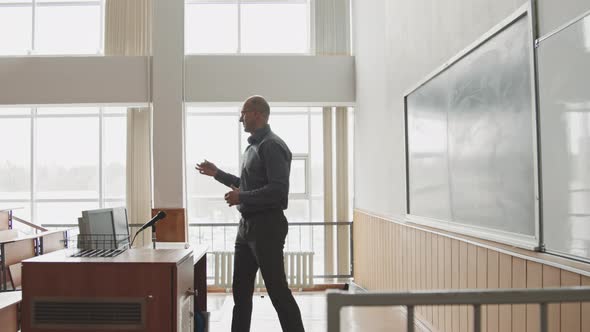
[(88, 313)]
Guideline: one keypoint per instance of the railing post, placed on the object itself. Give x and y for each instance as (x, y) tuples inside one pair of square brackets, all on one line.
[(476, 317), (543, 317), (410, 321)]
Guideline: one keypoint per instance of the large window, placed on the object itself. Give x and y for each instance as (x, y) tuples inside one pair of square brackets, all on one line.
[(51, 27), (247, 27), (215, 134), (62, 160)]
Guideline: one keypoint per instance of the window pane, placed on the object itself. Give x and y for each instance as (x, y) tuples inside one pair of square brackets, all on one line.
[(115, 110), (298, 210), (115, 203), (68, 30), (297, 177), (214, 138), (274, 28), (62, 213), (15, 163), (15, 111), (114, 156), (205, 210), (66, 110), (15, 30), (211, 28), (293, 129), (317, 152), (50, 1), (67, 158)]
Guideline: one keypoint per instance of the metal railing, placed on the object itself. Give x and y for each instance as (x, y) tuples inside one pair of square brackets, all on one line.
[(476, 298), (302, 236)]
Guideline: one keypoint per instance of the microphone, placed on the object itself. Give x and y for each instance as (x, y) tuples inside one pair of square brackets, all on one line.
[(152, 222), (155, 219)]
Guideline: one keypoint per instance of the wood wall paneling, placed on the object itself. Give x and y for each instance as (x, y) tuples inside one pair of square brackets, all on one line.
[(505, 281), (393, 256), (552, 278), (571, 317), (482, 282), (534, 279), (585, 307), (519, 278), (493, 282)]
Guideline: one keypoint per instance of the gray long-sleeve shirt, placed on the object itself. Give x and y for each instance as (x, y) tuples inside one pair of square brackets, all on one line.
[(264, 179)]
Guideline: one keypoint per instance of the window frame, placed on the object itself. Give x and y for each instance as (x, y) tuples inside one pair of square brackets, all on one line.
[(33, 201), (306, 157), (34, 4), (309, 24)]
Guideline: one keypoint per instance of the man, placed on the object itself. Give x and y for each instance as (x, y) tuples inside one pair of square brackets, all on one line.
[(261, 194)]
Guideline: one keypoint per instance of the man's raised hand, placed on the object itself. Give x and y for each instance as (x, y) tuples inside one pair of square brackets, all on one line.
[(207, 168)]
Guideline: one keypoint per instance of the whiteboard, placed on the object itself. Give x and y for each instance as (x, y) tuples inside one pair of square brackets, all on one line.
[(471, 139), (564, 106)]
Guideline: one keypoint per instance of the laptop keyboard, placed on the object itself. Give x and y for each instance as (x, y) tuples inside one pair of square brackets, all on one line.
[(90, 253)]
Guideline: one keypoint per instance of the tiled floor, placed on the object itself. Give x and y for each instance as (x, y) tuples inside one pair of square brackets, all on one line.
[(313, 312)]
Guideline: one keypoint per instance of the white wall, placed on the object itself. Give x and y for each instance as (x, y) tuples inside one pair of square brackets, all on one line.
[(283, 78), (73, 80), (397, 43)]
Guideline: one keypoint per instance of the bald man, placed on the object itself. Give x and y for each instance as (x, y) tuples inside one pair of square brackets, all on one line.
[(261, 194)]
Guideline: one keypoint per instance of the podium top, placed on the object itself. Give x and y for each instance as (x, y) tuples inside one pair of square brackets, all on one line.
[(158, 256)]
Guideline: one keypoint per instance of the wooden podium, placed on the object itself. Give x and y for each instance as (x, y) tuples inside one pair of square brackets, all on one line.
[(139, 290)]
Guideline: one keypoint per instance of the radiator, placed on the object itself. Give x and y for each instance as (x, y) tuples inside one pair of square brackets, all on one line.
[(298, 269)]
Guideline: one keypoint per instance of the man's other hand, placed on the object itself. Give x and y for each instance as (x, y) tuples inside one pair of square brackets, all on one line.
[(233, 197), (207, 168)]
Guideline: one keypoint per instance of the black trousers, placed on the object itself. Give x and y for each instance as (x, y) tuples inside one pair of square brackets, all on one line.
[(259, 244)]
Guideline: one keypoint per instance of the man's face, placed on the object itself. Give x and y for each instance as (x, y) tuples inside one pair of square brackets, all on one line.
[(249, 118)]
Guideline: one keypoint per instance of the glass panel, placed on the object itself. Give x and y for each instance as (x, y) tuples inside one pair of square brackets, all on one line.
[(15, 111), (66, 110), (210, 210), (297, 177), (114, 156), (115, 110), (289, 32), (234, 110), (68, 30), (62, 212), (298, 210), (211, 28), (293, 129), (350, 162), (67, 158), (317, 209), (214, 138), (15, 160), (317, 152), (114, 203), (53, 1), (15, 30)]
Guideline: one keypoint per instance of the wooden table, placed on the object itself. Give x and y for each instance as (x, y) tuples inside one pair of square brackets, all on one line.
[(161, 282), (200, 269)]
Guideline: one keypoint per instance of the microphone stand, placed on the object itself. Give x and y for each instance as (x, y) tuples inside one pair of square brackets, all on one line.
[(154, 235)]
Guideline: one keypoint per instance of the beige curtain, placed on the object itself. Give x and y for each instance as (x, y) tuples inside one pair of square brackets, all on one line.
[(332, 37), (128, 25)]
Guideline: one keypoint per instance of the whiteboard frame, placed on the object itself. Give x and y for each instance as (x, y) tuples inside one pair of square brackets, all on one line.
[(530, 242)]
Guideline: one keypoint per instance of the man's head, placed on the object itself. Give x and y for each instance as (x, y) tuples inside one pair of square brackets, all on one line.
[(255, 113)]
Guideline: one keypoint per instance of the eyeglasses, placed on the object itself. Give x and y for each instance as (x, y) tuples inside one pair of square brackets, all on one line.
[(249, 111)]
